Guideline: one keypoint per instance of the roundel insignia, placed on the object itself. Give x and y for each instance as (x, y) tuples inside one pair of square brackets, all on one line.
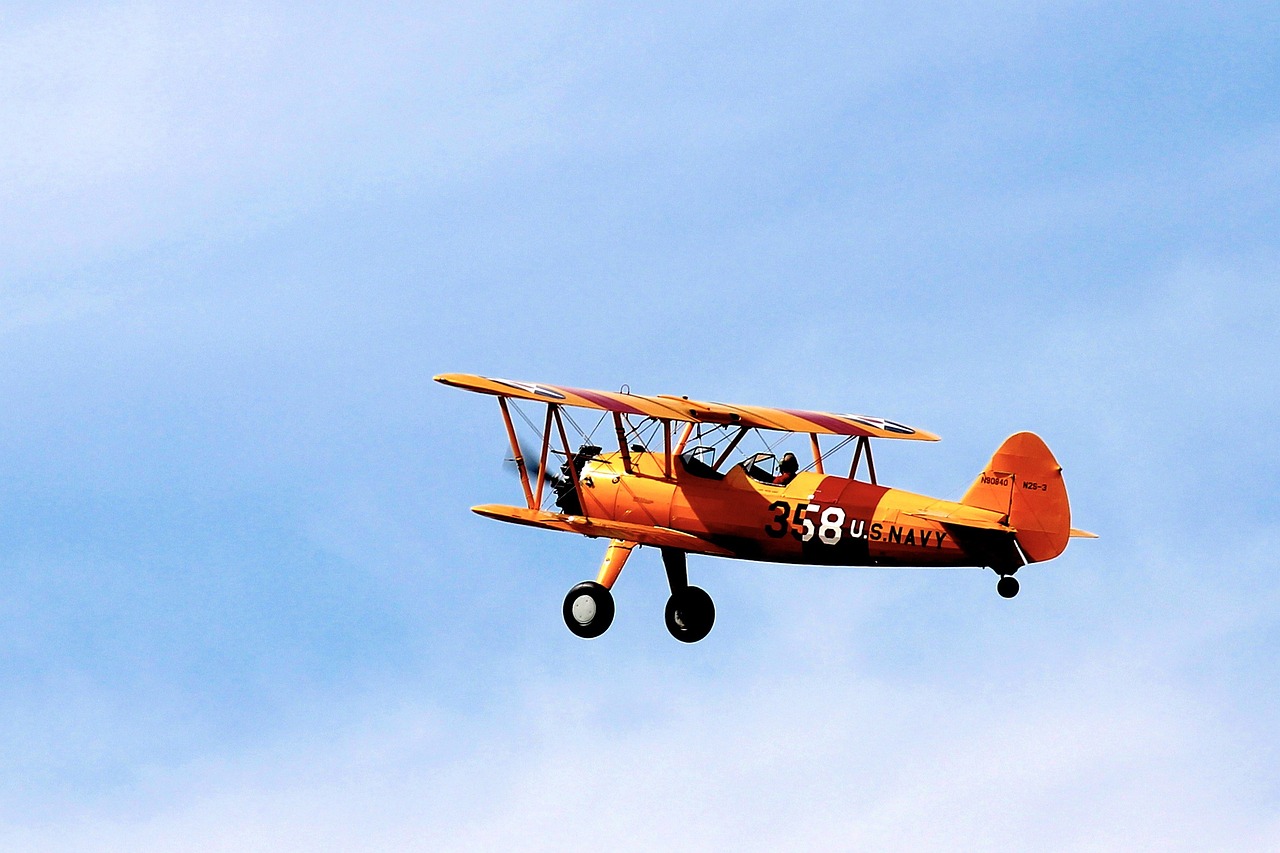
[(881, 423), (532, 388)]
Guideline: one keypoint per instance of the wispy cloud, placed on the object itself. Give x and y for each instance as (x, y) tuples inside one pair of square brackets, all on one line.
[(1102, 754), (138, 123)]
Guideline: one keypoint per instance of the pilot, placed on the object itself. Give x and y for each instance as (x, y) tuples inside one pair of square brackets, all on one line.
[(787, 468)]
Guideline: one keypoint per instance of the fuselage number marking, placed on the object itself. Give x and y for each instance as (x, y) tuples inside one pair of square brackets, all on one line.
[(829, 530), (831, 527)]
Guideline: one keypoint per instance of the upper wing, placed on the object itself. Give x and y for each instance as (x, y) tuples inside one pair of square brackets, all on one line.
[(683, 409)]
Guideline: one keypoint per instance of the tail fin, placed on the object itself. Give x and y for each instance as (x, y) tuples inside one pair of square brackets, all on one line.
[(1024, 483)]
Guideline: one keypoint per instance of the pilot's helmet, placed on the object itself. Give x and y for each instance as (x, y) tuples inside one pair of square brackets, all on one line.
[(788, 465)]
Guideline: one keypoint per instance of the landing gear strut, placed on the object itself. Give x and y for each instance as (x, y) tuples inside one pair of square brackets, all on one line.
[(588, 608), (690, 611), (1007, 586)]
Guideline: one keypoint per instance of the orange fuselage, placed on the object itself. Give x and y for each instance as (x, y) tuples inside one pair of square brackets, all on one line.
[(815, 519)]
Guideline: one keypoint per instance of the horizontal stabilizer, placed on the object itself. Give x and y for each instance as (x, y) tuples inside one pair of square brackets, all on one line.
[(1077, 533), (660, 537), (964, 519)]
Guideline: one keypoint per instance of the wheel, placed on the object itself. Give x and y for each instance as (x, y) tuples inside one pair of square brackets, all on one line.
[(690, 614), (1008, 586), (588, 609)]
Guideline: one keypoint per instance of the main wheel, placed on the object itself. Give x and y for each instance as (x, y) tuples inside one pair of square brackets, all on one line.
[(588, 609), (690, 614), (1008, 586)]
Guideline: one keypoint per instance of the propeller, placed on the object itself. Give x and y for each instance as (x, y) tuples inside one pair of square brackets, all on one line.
[(559, 477), (530, 461)]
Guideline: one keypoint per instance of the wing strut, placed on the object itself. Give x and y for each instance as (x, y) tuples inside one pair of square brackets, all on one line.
[(666, 439), (622, 442), (864, 443), (684, 437), (568, 454), (724, 454), (542, 460), (515, 450), (817, 453)]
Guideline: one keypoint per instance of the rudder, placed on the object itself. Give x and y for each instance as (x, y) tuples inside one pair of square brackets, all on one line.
[(1023, 482)]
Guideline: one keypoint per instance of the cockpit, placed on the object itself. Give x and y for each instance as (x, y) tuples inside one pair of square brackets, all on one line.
[(701, 461), (706, 452), (761, 467)]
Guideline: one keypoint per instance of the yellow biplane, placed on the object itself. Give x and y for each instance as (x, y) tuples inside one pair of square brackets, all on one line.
[(675, 483)]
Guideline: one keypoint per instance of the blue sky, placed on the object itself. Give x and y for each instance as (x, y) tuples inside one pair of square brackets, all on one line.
[(245, 606)]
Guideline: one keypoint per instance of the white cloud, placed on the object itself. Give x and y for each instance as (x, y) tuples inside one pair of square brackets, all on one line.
[(131, 124), (1104, 755), (140, 123)]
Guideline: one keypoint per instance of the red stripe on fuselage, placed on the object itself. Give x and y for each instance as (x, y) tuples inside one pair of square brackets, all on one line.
[(858, 501)]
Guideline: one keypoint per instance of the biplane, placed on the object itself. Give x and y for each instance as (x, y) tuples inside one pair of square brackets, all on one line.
[(682, 480)]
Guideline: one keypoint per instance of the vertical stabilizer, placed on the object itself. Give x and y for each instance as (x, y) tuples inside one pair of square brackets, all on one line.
[(1024, 483)]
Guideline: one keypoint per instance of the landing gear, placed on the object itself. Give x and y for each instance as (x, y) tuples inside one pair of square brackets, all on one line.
[(690, 611), (588, 609), (1007, 587), (690, 614)]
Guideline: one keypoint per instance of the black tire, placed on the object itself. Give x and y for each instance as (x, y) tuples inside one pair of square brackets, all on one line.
[(690, 614), (1007, 587), (588, 609)]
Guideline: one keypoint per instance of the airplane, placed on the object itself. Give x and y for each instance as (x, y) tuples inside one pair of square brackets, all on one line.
[(668, 486)]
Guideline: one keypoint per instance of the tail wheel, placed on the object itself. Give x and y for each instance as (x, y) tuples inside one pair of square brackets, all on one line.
[(690, 614), (588, 609), (1007, 586)]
